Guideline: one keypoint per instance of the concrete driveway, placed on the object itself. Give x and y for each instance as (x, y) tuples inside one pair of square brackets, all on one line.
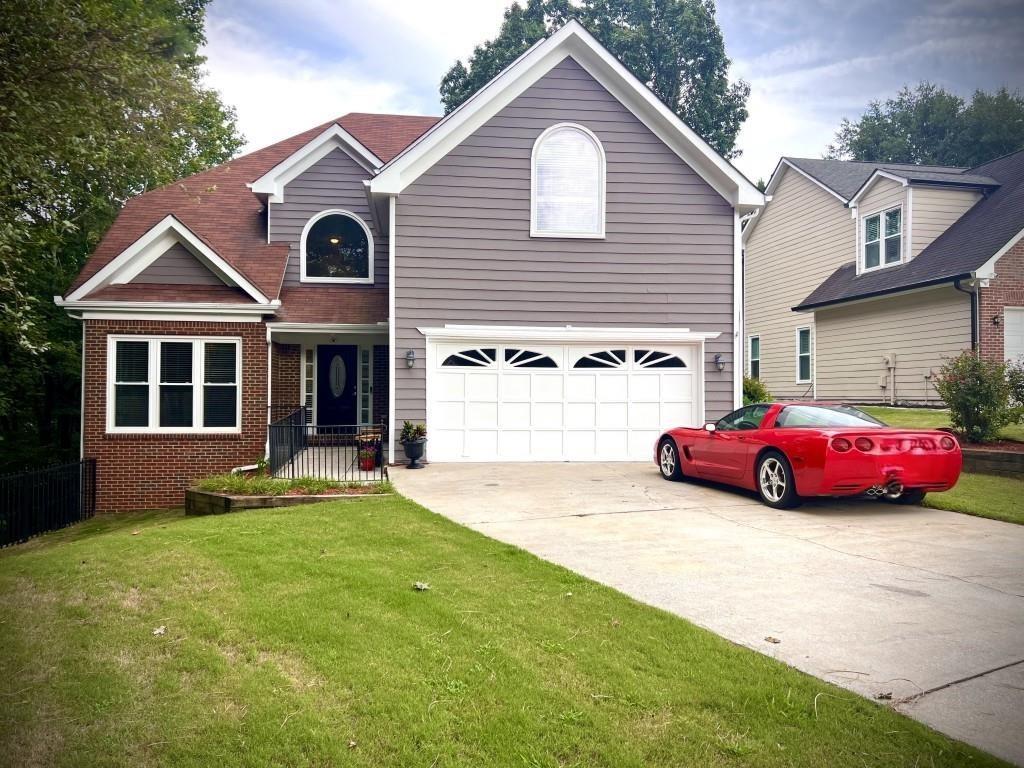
[(924, 605)]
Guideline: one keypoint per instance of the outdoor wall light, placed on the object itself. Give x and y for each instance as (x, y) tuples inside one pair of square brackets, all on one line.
[(410, 358), (996, 320), (719, 363)]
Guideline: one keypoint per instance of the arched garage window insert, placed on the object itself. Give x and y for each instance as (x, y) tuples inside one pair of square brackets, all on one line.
[(649, 358), (609, 358), (524, 358), (336, 247), (471, 358)]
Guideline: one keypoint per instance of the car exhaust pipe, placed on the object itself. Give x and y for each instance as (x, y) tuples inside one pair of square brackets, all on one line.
[(894, 490)]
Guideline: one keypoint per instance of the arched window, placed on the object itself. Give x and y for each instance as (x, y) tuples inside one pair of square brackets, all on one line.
[(337, 247), (567, 183)]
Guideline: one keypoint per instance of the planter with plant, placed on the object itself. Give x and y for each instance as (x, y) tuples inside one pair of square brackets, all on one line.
[(367, 458), (414, 441)]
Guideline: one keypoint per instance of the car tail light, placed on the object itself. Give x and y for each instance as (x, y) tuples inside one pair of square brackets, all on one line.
[(863, 444), (841, 444), (947, 443)]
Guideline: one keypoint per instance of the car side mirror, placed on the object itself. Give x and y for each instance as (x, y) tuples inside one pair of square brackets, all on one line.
[(710, 427)]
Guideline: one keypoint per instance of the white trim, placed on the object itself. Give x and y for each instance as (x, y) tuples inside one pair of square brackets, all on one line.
[(877, 174), (270, 392), (737, 311), (563, 334), (601, 184), (392, 253), (170, 317), (750, 355), (353, 328), (908, 225), (862, 243), (153, 383), (810, 354), (987, 271), (147, 249), (274, 181), (570, 40), (303, 277), (212, 308)]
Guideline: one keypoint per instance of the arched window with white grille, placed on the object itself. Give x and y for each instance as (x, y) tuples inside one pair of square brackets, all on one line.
[(567, 180)]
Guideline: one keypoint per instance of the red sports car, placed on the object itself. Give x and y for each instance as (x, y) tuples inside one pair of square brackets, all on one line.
[(786, 451)]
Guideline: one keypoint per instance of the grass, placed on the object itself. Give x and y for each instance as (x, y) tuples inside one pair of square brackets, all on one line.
[(998, 498), (293, 637), (264, 485), (930, 418)]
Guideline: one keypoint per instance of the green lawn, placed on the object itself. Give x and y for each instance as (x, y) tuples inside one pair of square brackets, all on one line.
[(985, 496), (929, 418), (294, 637)]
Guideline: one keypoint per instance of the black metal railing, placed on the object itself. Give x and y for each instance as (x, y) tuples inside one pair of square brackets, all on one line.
[(343, 452), (47, 499)]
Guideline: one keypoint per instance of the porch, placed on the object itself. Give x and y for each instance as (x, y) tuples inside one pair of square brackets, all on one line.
[(298, 447)]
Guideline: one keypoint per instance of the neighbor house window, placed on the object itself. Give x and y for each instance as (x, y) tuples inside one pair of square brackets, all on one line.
[(755, 357), (567, 183), (803, 355), (883, 239), (173, 384), (336, 247)]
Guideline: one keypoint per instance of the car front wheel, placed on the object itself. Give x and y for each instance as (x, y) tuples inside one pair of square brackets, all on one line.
[(775, 481), (668, 460)]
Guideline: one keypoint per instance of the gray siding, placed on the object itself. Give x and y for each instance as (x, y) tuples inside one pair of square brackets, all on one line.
[(177, 266), (923, 330), (336, 181), (934, 209), (465, 255)]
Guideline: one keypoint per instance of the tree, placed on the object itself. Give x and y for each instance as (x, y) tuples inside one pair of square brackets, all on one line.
[(931, 126), (675, 47), (99, 101)]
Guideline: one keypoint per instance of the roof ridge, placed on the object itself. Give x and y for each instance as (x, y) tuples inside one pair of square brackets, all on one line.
[(996, 159)]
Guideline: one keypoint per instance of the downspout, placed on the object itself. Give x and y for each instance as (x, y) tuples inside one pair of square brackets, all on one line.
[(974, 312), (270, 351)]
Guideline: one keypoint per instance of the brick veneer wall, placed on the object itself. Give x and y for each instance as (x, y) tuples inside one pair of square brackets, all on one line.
[(149, 471), (1007, 290), (380, 383), (286, 374)]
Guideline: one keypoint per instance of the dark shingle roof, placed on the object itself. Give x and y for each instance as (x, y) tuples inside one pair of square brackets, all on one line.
[(846, 177), (963, 248)]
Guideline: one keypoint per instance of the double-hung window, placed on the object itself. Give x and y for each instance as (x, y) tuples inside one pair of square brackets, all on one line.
[(567, 183), (755, 357), (173, 384), (803, 355), (883, 239)]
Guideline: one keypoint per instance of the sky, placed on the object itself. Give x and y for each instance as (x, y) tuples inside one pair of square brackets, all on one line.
[(287, 66)]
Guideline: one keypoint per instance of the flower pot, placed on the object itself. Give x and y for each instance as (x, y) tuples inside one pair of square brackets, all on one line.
[(414, 452), (367, 463)]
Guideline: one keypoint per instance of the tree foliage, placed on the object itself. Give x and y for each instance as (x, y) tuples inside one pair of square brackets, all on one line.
[(675, 47), (931, 126), (99, 101)]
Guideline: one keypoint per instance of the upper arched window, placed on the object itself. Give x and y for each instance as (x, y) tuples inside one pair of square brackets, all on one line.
[(337, 247), (567, 183)]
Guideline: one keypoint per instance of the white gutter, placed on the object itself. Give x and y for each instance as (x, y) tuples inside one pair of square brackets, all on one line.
[(163, 307)]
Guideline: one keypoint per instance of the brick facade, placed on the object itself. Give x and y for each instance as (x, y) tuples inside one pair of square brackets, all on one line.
[(285, 375), (153, 470), (1007, 290)]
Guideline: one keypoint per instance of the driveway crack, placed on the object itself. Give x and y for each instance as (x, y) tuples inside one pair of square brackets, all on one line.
[(950, 684)]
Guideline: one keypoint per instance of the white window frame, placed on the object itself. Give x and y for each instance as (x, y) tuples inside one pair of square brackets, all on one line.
[(750, 356), (303, 277), (536, 231), (153, 382), (862, 237), (809, 354)]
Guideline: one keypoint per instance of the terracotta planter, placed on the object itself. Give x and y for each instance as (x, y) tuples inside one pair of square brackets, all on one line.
[(367, 463), (414, 452)]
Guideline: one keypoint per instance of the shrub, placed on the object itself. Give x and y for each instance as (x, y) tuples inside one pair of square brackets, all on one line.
[(412, 431), (978, 395), (1015, 379), (754, 391)]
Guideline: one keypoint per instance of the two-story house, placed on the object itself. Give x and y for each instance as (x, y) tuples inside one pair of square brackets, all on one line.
[(861, 279), (550, 272)]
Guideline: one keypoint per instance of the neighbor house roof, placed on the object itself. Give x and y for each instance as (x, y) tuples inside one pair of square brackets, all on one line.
[(966, 247), (219, 208)]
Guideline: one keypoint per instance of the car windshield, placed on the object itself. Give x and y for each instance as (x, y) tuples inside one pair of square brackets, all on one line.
[(825, 416)]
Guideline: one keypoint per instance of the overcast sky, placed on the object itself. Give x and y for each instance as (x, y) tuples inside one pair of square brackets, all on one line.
[(289, 66)]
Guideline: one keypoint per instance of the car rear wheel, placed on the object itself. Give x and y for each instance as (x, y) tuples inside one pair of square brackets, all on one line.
[(668, 460), (775, 482), (910, 496)]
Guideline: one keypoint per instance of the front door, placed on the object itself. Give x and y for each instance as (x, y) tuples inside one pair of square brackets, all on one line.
[(337, 383)]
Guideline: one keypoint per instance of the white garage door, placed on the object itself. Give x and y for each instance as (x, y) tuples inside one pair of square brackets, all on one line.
[(541, 402), (1013, 333)]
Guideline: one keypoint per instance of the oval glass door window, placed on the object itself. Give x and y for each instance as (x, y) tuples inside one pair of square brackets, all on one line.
[(338, 374)]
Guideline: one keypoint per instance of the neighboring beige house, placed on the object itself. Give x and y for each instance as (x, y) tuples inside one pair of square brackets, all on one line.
[(861, 279)]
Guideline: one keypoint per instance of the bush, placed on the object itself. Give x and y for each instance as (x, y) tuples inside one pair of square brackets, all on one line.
[(1015, 379), (412, 432), (754, 391), (978, 395)]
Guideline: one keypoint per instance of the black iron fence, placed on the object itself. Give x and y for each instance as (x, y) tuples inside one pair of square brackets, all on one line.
[(44, 500), (343, 452)]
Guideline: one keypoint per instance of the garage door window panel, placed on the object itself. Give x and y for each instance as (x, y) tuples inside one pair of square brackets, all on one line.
[(471, 358), (611, 358)]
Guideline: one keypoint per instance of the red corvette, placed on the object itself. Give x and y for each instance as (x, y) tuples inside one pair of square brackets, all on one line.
[(786, 451)]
